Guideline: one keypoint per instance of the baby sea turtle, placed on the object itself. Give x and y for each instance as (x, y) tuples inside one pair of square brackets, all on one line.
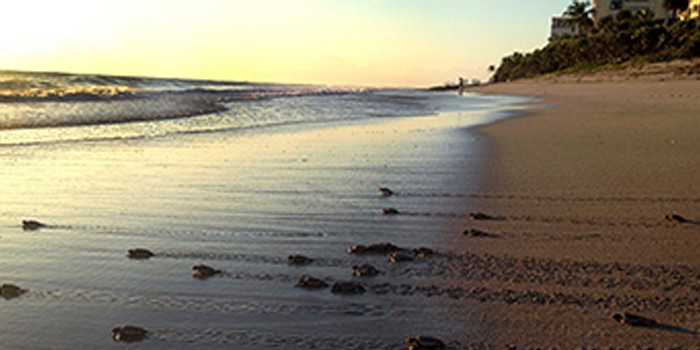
[(634, 320), (422, 252), (9, 291), (128, 334), (480, 216), (364, 270), (472, 232), (299, 260), (139, 253), (204, 271), (32, 225), (422, 342), (379, 248), (390, 211), (308, 282), (399, 257), (385, 191), (347, 287), (357, 249), (675, 218)]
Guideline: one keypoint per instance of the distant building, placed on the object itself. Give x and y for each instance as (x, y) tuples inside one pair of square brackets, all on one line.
[(564, 26), (604, 8), (693, 10)]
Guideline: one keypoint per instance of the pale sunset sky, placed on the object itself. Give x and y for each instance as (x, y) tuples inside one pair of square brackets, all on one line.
[(341, 42)]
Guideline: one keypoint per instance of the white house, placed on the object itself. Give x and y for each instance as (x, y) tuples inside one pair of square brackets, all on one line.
[(564, 26)]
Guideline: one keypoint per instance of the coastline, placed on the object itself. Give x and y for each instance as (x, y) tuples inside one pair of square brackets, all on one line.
[(558, 262), (581, 184)]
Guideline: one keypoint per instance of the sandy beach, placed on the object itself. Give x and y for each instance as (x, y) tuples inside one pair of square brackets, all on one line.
[(579, 186), (576, 183), (350, 175)]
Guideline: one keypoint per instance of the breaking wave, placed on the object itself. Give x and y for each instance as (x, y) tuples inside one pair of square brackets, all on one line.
[(38, 107)]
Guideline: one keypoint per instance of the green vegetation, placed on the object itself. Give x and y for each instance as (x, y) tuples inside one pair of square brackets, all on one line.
[(614, 42), (581, 12)]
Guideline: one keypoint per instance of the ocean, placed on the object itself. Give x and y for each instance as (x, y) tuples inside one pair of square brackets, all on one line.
[(237, 176)]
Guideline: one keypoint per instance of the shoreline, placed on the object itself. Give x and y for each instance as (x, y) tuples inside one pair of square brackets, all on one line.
[(243, 201), (581, 183)]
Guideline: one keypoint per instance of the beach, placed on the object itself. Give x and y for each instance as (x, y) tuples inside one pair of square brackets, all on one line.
[(579, 188), (350, 175), (544, 211)]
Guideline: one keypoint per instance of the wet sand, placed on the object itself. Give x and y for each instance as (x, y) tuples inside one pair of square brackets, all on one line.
[(240, 202), (580, 186)]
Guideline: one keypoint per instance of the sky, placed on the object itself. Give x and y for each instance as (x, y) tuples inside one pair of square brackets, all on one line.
[(336, 42)]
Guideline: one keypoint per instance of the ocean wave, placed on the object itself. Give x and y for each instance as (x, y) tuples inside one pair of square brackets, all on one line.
[(96, 111), (21, 86), (104, 106), (38, 107), (58, 94)]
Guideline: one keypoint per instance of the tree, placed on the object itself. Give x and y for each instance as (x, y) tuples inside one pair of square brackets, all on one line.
[(606, 24), (581, 12)]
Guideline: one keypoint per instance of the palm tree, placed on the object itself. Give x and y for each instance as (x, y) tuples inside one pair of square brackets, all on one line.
[(676, 5), (581, 13)]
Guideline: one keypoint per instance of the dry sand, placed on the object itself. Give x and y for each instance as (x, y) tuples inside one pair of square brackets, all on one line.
[(581, 184)]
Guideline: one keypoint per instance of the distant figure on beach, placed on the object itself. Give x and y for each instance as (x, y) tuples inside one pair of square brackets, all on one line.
[(461, 86)]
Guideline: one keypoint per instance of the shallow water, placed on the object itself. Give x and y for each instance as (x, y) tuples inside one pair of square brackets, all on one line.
[(241, 199)]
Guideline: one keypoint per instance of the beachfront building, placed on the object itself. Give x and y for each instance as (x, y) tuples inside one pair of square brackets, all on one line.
[(564, 26), (693, 10), (604, 8)]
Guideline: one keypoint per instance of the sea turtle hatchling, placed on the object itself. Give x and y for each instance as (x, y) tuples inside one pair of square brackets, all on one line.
[(32, 225), (128, 333), (390, 211), (347, 287), (139, 254), (364, 270), (204, 271), (299, 260), (398, 257), (422, 342), (9, 291), (386, 192), (634, 320), (308, 282)]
